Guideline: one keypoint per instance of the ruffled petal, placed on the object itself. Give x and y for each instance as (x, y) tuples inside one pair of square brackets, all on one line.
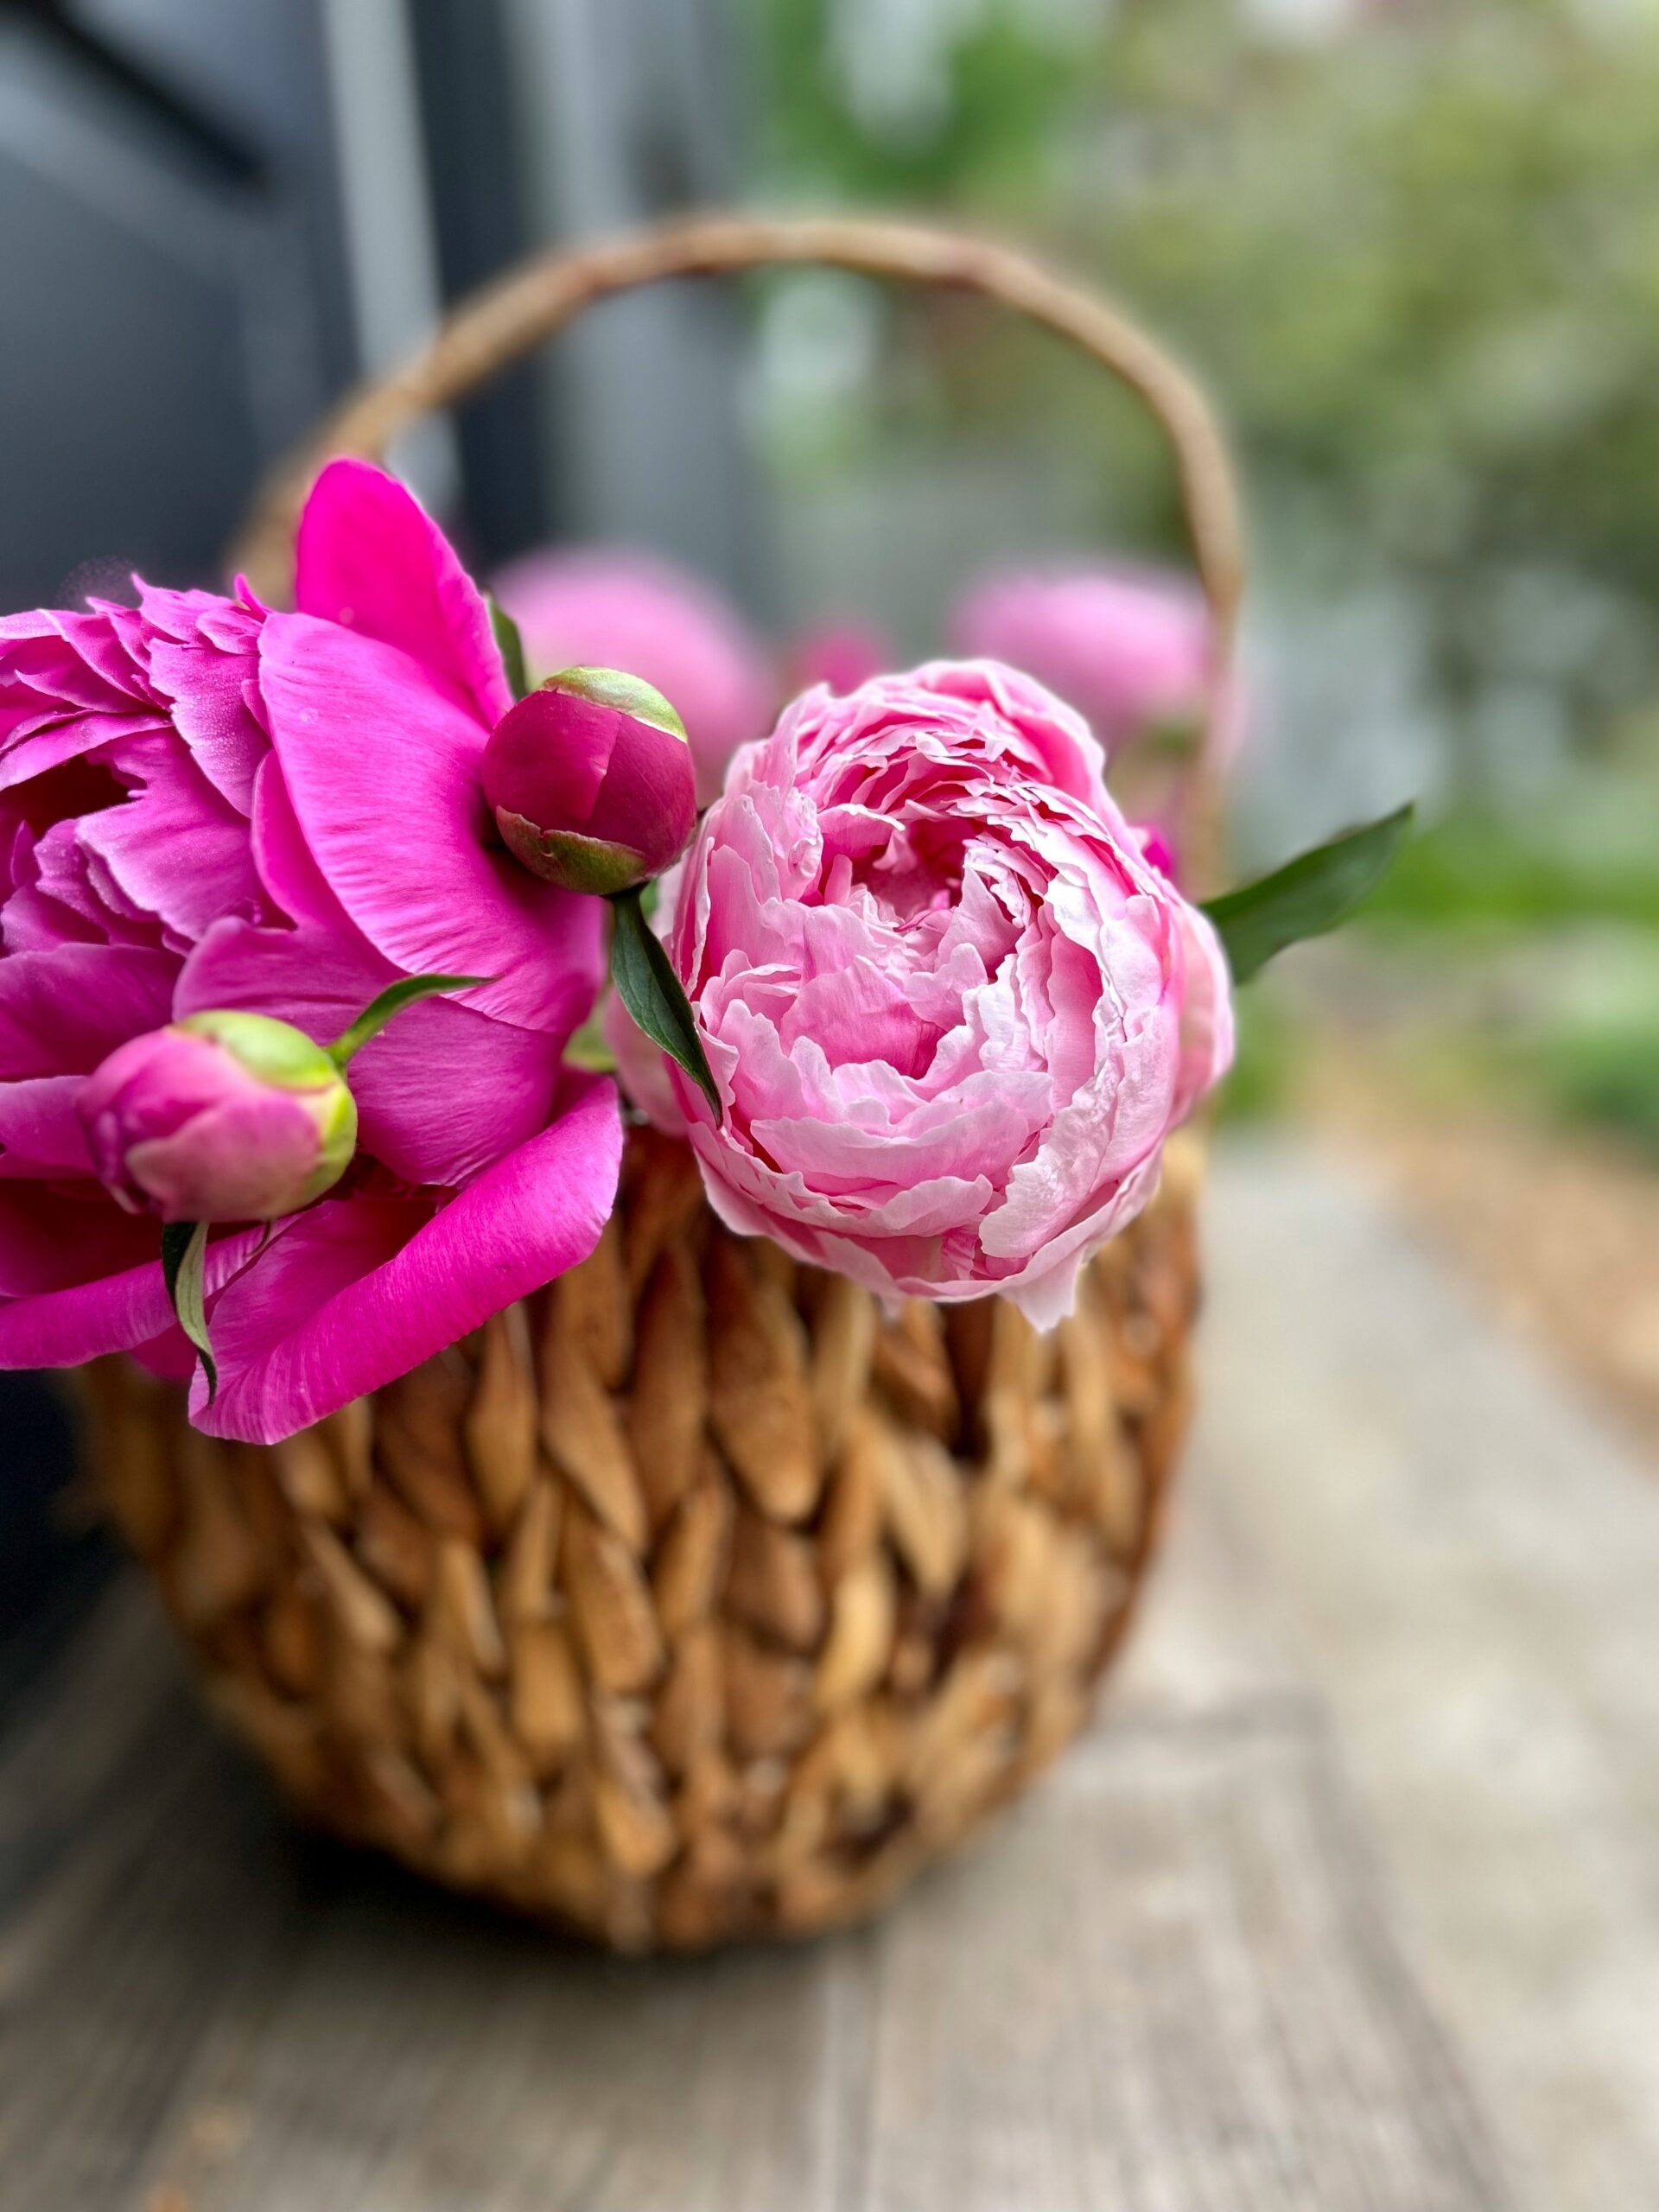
[(201, 657), (175, 849)]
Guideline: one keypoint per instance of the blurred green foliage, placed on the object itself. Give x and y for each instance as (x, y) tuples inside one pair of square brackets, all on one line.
[(1418, 256), (1267, 1056), (974, 126), (1479, 871), (1413, 246), (1605, 1073)]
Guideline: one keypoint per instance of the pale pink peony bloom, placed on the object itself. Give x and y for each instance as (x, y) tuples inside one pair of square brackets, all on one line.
[(951, 1009), (1128, 648), (206, 806), (620, 609)]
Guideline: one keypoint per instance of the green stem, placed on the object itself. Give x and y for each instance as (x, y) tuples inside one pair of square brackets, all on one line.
[(378, 1012)]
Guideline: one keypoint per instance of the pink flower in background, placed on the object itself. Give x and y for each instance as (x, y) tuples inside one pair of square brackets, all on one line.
[(843, 655), (952, 1010), (206, 806), (1129, 648), (632, 611)]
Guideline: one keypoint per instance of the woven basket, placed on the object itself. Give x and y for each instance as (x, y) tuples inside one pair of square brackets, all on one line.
[(697, 1596)]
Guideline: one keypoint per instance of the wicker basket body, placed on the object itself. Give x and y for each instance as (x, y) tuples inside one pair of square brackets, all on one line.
[(697, 1598)]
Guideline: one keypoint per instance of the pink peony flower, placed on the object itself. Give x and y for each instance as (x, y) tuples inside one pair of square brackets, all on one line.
[(1129, 648), (951, 1009), (207, 806), (843, 655), (630, 610), (590, 781), (222, 1117)]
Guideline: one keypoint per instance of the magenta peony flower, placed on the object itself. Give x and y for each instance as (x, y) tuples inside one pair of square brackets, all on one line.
[(952, 1010), (207, 806), (220, 1117), (590, 781), (1129, 648), (629, 610)]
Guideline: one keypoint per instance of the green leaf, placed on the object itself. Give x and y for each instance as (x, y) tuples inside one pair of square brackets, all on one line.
[(1306, 897), (647, 986), (392, 1001), (184, 1252), (511, 647)]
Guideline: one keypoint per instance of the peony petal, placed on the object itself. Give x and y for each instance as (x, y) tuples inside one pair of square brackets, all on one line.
[(283, 858), (56, 741), (1045, 1289), (205, 681), (63, 1011), (356, 1292), (59, 1233), (1207, 1015), (40, 1131), (382, 766), (61, 1328), (175, 847), (369, 557)]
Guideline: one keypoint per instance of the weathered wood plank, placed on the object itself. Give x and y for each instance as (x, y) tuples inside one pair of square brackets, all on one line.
[(429, 2059), (127, 1913), (1168, 1975), (1169, 1984), (1463, 1556)]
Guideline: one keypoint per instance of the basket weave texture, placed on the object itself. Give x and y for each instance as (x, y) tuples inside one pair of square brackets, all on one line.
[(698, 1596)]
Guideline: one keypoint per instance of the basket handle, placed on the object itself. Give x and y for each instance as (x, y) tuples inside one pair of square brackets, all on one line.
[(507, 319)]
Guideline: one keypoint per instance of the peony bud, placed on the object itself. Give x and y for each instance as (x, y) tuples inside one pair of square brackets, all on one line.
[(591, 781), (220, 1117)]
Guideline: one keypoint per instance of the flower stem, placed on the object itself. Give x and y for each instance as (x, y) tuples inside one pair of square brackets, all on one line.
[(392, 1001)]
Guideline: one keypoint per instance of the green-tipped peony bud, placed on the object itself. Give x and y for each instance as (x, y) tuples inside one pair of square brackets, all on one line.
[(591, 781), (220, 1117)]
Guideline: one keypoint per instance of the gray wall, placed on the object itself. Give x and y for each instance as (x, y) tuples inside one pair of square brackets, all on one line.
[(173, 304)]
